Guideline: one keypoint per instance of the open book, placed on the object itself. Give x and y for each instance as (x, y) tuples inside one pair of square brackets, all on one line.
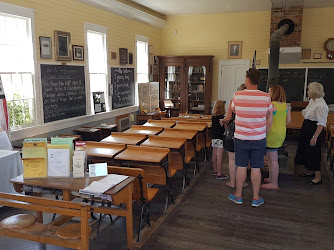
[(96, 188)]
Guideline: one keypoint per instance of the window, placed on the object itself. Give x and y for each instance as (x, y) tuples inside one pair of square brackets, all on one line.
[(97, 65), (142, 59), (17, 68)]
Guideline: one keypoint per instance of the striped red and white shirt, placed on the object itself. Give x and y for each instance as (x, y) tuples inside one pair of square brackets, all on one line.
[(251, 108)]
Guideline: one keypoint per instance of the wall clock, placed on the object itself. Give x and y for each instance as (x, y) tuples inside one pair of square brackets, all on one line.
[(329, 47)]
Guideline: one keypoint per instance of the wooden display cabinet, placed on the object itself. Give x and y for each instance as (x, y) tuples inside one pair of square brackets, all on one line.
[(185, 84)]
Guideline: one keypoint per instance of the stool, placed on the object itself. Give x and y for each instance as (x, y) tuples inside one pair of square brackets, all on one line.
[(18, 221), (71, 231)]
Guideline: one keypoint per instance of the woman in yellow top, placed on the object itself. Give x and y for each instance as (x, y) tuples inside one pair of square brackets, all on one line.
[(277, 133)]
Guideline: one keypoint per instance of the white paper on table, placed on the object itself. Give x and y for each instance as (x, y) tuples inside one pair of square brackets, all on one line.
[(4, 141), (59, 163), (97, 188), (98, 169)]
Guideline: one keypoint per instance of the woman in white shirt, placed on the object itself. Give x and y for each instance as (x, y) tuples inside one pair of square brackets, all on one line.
[(312, 136)]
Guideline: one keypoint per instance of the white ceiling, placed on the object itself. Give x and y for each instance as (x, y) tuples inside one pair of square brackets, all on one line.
[(190, 7)]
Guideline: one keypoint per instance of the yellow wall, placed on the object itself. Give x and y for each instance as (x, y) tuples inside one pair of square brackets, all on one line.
[(209, 35), (70, 15)]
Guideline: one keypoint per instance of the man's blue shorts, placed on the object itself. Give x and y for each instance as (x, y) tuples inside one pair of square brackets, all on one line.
[(250, 151)]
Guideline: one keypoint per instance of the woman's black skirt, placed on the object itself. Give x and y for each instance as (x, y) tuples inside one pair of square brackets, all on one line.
[(307, 155)]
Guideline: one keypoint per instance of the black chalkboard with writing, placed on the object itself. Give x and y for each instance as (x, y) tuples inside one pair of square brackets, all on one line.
[(63, 90), (326, 77), (292, 80), (123, 87)]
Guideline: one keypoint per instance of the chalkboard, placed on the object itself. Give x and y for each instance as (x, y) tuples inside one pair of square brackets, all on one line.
[(63, 90), (326, 78), (292, 80), (123, 87)]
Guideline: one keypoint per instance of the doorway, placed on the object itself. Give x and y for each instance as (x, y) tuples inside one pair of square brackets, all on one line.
[(231, 75)]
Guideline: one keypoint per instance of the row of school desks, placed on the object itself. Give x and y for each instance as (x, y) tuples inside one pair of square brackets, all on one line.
[(169, 149)]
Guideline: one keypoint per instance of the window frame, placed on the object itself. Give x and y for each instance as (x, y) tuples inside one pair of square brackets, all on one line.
[(146, 40), (28, 13), (104, 30)]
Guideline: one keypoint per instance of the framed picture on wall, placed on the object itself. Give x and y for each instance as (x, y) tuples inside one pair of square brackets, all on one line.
[(45, 46), (62, 45), (78, 52), (234, 49), (123, 56)]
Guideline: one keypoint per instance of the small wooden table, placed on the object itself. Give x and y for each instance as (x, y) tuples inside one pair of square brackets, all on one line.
[(149, 159), (160, 123), (103, 152), (143, 130), (89, 134), (125, 138), (176, 147), (120, 194)]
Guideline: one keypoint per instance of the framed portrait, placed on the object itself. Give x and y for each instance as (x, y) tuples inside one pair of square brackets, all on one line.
[(62, 45), (45, 46), (78, 52), (234, 49), (123, 56), (317, 56), (306, 53)]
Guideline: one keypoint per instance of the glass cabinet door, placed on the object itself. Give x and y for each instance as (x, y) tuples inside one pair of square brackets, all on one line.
[(196, 89), (172, 85)]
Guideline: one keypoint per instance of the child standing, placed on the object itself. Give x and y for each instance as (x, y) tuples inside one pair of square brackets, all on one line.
[(217, 132), (276, 134)]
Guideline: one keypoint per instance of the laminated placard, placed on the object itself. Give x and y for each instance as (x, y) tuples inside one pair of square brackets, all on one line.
[(59, 161), (34, 168)]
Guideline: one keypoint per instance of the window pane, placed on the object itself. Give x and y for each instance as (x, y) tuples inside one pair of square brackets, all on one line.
[(142, 61), (97, 82)]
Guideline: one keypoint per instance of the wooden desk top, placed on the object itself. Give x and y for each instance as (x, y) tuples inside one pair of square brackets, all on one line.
[(107, 126), (124, 138), (70, 184), (143, 154), (144, 130), (160, 123), (86, 130), (99, 149), (179, 133), (191, 126), (75, 137), (164, 142)]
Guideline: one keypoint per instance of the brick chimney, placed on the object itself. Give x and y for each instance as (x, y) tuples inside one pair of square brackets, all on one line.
[(295, 13)]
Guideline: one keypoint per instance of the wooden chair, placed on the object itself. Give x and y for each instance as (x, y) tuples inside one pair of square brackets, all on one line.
[(52, 233), (141, 192)]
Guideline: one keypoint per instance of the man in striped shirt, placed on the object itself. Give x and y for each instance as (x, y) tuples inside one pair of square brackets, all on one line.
[(253, 120)]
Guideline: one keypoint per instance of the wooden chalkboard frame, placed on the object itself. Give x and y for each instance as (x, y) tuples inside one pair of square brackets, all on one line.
[(65, 102)]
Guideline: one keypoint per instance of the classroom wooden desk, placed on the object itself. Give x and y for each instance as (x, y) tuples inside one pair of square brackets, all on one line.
[(190, 147), (149, 159), (160, 123), (177, 151), (297, 120), (145, 117), (200, 137), (125, 138), (103, 152), (89, 134), (107, 129), (119, 194), (143, 130), (75, 137)]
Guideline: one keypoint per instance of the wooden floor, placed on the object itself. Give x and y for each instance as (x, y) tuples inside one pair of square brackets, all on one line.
[(298, 216)]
